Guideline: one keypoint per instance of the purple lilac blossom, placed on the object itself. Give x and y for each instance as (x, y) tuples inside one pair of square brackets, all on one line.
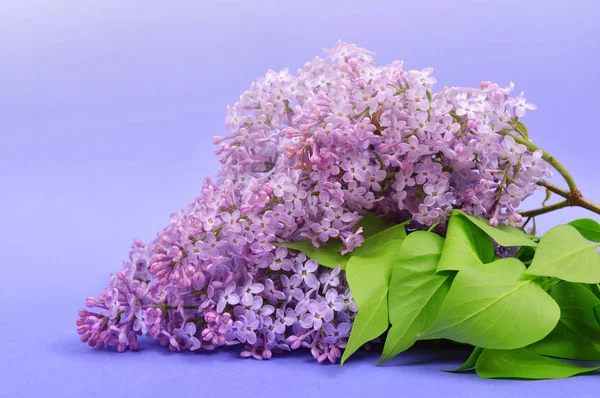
[(309, 154)]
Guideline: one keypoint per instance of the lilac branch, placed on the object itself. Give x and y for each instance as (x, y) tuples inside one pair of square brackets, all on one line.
[(573, 196)]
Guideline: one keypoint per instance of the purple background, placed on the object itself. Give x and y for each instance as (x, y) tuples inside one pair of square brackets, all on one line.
[(107, 111)]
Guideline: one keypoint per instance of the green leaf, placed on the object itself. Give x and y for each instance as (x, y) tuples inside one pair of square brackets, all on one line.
[(455, 116), (594, 288), (369, 279), (328, 254), (494, 306), (524, 364), (373, 243), (465, 245), (597, 313), (564, 254), (577, 334), (372, 223), (533, 227), (504, 235), (547, 198), (588, 228), (416, 292), (470, 362), (525, 253)]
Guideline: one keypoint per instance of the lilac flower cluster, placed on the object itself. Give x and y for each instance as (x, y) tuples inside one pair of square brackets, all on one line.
[(307, 156)]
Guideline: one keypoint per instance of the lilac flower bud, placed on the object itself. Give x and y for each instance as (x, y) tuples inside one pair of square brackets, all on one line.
[(154, 331), (185, 282), (210, 316), (335, 352), (315, 353), (220, 340), (296, 344), (90, 302), (207, 334), (267, 354), (517, 218)]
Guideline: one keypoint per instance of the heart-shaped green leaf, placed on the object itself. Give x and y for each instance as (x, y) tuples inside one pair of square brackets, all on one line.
[(524, 364), (564, 254), (504, 235), (577, 334), (465, 245), (369, 279), (494, 306), (416, 291), (588, 228)]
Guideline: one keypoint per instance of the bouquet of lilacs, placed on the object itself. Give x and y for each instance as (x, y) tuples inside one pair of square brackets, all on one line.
[(353, 197)]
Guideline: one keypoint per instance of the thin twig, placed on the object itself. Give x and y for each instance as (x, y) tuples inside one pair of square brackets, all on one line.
[(544, 210), (571, 199)]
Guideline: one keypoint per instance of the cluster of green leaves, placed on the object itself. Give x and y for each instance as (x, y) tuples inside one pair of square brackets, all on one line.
[(521, 314)]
